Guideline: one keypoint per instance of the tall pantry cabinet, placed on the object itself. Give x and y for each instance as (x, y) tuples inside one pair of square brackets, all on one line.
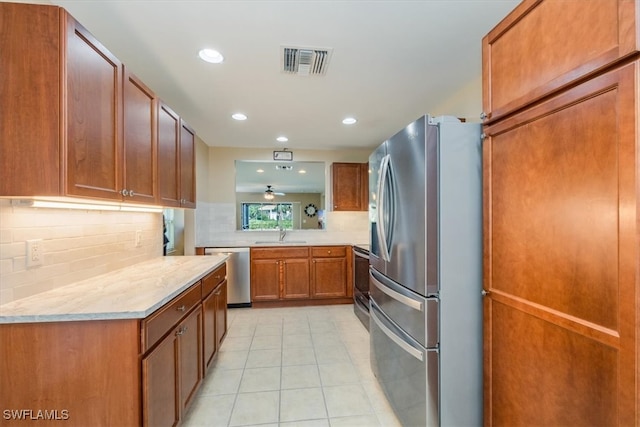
[(561, 215)]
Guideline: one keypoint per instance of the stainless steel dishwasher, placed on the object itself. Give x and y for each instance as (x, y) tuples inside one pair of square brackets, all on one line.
[(238, 279)]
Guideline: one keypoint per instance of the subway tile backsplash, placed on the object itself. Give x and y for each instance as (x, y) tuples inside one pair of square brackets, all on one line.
[(75, 245)]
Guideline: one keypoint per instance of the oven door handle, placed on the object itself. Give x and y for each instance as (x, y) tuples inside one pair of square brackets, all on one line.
[(360, 254)]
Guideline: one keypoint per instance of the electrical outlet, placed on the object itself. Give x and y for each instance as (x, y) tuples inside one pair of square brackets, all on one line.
[(138, 238), (34, 252)]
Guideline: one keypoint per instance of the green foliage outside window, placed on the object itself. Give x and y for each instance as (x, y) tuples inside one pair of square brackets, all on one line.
[(267, 216)]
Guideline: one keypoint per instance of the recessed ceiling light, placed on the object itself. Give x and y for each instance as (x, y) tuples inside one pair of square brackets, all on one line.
[(260, 170), (282, 139), (302, 171), (349, 121), (210, 55), (239, 116)]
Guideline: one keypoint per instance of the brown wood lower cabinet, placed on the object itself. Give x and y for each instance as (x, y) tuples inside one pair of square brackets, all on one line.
[(214, 306), (176, 364), (329, 272), (299, 275), (122, 372)]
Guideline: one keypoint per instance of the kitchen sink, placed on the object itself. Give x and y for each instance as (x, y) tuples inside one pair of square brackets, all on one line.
[(278, 242)]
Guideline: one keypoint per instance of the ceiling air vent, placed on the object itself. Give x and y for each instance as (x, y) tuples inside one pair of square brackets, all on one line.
[(305, 61)]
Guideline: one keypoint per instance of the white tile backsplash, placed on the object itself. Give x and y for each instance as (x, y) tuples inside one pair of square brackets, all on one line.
[(76, 245)]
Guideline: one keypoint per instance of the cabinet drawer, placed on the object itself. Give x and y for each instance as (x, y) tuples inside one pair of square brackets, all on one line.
[(213, 279), (329, 251), (279, 253), (161, 321)]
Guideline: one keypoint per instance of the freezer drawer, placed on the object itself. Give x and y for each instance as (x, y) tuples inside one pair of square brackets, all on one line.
[(416, 315), (407, 372)]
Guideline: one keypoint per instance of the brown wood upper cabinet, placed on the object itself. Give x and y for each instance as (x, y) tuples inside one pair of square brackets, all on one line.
[(81, 123), (187, 166), (544, 46), (94, 145), (176, 151), (140, 141), (350, 185)]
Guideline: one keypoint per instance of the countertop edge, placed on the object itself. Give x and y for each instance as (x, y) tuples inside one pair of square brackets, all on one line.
[(74, 289)]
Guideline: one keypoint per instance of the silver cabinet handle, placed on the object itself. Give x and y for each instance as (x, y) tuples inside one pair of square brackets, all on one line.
[(181, 331), (181, 308), (485, 293)]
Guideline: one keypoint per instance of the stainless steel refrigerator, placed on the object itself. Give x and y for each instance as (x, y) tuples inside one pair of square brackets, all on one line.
[(425, 272)]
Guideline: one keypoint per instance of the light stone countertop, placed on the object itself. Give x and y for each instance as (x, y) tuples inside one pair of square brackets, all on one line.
[(129, 293), (262, 243)]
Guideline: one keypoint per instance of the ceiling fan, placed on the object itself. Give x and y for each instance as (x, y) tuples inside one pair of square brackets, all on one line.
[(269, 193)]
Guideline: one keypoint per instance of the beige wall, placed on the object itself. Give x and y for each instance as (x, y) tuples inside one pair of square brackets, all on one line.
[(465, 102)]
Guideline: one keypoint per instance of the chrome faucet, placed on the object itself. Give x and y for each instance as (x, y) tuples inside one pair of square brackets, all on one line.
[(283, 233)]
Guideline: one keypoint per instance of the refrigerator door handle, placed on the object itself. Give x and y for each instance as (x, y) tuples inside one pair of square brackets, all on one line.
[(382, 227), (403, 299), (418, 354)]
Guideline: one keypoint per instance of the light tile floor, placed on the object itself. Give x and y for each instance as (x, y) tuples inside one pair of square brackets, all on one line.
[(302, 367)]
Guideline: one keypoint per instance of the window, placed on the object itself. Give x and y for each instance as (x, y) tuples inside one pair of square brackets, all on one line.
[(267, 216)]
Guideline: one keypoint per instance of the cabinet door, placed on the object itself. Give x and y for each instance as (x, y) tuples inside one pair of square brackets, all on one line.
[(265, 279), (190, 362), (295, 278), (168, 156), (543, 46), (329, 277), (160, 384), (347, 186), (364, 186), (30, 144), (209, 307), (561, 259), (187, 166), (140, 143), (221, 313), (93, 85)]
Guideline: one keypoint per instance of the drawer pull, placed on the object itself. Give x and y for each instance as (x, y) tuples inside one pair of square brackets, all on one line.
[(181, 308), (181, 331)]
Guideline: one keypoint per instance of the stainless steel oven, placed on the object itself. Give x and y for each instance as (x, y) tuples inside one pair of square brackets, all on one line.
[(361, 283)]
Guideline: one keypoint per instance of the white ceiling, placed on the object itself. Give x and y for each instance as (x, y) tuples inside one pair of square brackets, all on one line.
[(392, 62)]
